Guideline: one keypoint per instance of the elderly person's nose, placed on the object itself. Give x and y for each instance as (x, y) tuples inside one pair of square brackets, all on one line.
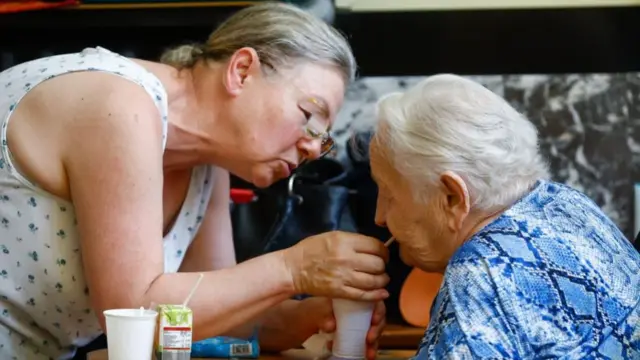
[(309, 149)]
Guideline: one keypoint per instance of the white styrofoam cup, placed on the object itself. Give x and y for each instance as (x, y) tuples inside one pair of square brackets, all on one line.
[(353, 320), (130, 333)]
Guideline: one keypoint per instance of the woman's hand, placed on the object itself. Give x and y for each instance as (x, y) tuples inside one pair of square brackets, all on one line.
[(339, 264), (301, 319), (378, 322)]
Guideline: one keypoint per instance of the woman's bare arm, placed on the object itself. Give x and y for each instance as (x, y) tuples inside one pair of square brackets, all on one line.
[(212, 248), (113, 159)]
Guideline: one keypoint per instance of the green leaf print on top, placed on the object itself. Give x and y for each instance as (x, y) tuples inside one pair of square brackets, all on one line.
[(175, 315)]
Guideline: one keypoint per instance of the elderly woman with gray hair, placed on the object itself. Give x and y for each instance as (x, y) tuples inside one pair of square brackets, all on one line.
[(532, 268)]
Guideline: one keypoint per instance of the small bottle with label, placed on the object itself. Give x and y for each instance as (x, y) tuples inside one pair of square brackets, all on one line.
[(174, 332)]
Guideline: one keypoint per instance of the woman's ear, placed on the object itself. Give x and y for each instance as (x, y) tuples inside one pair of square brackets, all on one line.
[(240, 67), (457, 204)]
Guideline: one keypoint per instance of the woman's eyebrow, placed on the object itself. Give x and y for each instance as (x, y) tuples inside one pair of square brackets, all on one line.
[(321, 104)]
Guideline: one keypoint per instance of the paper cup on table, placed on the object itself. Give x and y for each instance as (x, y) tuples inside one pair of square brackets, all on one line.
[(353, 320), (130, 333)]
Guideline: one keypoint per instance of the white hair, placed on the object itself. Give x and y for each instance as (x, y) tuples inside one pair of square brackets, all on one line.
[(449, 123)]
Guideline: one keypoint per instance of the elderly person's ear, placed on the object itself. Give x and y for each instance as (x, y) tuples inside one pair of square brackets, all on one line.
[(457, 203)]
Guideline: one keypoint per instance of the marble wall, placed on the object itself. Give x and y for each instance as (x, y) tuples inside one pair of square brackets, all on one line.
[(589, 126)]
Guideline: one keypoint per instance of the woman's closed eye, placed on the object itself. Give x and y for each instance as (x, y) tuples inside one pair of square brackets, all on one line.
[(310, 126), (307, 115)]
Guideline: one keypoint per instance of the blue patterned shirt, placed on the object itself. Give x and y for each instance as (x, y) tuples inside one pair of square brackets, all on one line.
[(553, 277)]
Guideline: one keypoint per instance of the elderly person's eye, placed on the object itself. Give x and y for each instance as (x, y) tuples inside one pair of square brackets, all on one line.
[(384, 195)]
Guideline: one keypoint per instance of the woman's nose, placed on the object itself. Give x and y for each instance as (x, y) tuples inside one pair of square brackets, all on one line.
[(309, 149)]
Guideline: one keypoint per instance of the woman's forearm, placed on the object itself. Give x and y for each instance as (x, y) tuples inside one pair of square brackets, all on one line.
[(227, 298)]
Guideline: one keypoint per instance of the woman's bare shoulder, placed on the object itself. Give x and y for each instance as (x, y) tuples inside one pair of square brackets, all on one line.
[(61, 116)]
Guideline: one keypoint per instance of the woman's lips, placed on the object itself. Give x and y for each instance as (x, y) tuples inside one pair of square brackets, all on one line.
[(286, 169)]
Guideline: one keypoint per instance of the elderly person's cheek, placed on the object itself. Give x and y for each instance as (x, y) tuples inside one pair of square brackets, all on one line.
[(405, 256)]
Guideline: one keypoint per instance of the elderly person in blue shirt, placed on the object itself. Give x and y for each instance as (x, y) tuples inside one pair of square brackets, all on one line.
[(532, 269)]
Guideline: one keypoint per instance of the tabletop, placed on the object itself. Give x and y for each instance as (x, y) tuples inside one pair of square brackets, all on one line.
[(393, 337), (295, 354)]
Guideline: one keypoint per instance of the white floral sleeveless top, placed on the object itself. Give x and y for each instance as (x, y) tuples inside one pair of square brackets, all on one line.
[(45, 311)]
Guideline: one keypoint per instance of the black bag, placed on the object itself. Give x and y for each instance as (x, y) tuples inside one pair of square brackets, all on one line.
[(312, 201)]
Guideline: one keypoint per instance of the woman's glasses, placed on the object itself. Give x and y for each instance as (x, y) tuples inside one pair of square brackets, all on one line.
[(317, 128)]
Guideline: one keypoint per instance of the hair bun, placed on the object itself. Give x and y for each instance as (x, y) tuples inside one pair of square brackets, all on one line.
[(182, 56)]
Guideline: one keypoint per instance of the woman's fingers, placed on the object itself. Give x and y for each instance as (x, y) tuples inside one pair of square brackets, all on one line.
[(378, 323), (379, 313), (364, 295), (366, 281), (328, 325), (370, 264), (339, 264), (366, 245)]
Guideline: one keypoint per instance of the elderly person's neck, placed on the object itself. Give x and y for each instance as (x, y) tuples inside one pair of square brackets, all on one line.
[(435, 252), (477, 220), (470, 217)]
